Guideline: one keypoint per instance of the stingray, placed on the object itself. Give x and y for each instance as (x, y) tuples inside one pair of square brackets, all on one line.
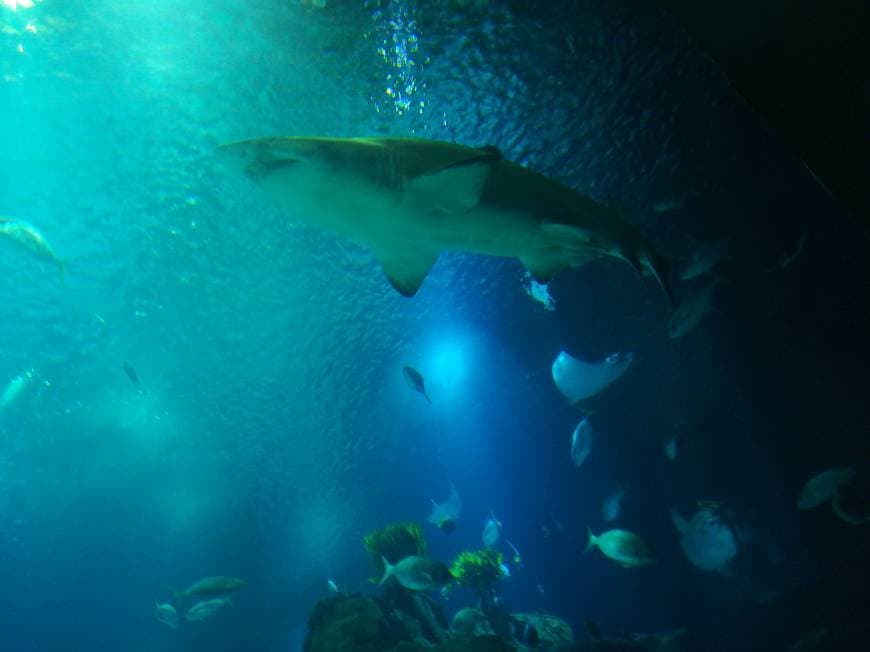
[(578, 380)]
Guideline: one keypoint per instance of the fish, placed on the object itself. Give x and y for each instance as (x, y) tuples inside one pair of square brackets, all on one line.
[(491, 530), (444, 515), (215, 586), (705, 259), (670, 449), (131, 373), (415, 381), (707, 542), (577, 379), (621, 546), (30, 238), (852, 509), (691, 312), (581, 441), (612, 505), (408, 199), (788, 256), (504, 570), (667, 205), (517, 558), (207, 608), (417, 573), (540, 292), (331, 585), (15, 387), (166, 614), (822, 486), (447, 526)]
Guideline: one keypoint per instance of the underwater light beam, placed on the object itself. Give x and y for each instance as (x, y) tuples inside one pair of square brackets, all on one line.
[(14, 4), (447, 365)]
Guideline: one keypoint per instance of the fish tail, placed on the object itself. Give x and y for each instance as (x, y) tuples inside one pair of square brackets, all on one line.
[(176, 594), (591, 541), (388, 570)]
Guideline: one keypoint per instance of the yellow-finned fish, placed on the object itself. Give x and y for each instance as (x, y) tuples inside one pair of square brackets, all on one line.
[(621, 546)]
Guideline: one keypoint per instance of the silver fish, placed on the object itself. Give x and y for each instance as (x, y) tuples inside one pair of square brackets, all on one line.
[(706, 541), (207, 608), (822, 486), (581, 441), (611, 506), (417, 573), (621, 546), (691, 312), (705, 259), (491, 530), (30, 238)]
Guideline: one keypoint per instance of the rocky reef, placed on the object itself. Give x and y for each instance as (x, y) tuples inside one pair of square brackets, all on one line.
[(403, 621)]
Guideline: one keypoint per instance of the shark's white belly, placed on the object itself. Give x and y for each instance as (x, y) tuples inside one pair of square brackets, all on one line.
[(384, 218)]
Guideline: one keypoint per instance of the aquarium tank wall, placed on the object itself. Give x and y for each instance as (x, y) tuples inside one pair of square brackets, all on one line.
[(406, 325)]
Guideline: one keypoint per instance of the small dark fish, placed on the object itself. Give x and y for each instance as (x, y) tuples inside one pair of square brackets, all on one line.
[(447, 526), (131, 373), (415, 381), (592, 629)]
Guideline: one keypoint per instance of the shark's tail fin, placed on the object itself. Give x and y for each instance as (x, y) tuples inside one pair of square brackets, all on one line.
[(660, 268), (650, 263)]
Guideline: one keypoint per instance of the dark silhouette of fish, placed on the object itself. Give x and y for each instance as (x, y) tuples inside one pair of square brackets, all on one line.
[(131, 373), (415, 381), (447, 526)]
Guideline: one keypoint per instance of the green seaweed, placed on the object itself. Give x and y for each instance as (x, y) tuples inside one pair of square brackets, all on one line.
[(393, 543), (477, 569)]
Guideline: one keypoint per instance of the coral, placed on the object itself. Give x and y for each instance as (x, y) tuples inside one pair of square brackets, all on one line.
[(394, 542), (551, 630), (477, 569), (347, 625), (360, 624), (470, 622)]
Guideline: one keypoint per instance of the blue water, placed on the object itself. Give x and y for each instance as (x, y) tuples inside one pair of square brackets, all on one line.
[(272, 429)]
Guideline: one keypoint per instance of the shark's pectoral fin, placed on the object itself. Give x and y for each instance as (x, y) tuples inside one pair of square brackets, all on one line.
[(543, 267), (406, 269), (455, 188)]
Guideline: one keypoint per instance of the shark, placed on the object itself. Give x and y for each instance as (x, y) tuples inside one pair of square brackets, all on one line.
[(408, 199)]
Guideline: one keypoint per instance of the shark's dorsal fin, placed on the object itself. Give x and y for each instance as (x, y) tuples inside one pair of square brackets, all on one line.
[(406, 270), (491, 150), (455, 188)]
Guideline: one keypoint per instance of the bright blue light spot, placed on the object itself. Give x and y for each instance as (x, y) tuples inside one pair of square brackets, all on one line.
[(448, 365)]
